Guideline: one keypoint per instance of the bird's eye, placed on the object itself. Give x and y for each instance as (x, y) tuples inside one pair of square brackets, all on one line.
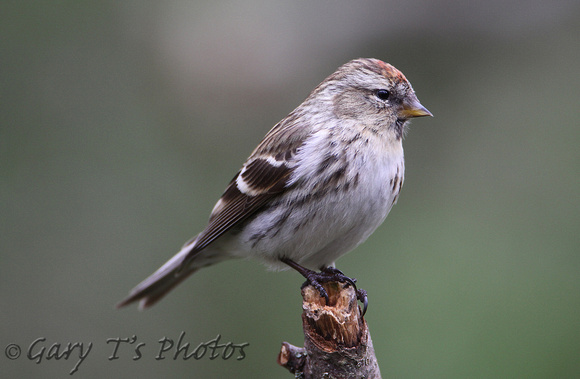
[(383, 94)]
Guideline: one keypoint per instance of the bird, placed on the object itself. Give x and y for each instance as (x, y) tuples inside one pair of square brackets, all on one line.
[(318, 185)]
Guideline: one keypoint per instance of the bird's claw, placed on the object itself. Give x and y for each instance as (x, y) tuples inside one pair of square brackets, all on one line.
[(327, 274), (361, 295), (316, 284), (331, 274), (335, 275)]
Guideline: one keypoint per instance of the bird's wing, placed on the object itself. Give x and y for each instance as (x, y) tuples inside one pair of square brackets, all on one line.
[(263, 177)]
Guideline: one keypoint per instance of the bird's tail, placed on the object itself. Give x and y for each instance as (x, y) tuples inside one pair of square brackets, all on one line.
[(168, 276)]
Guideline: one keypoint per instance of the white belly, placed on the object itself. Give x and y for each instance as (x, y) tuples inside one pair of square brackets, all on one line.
[(313, 224)]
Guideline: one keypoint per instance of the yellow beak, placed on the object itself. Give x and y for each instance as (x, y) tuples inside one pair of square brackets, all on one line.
[(413, 108)]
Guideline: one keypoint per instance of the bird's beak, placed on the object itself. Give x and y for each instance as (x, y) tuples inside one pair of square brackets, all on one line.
[(413, 108)]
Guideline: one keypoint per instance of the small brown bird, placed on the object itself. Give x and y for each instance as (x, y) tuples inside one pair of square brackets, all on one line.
[(320, 182)]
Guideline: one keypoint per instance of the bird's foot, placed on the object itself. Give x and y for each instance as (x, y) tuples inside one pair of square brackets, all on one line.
[(361, 296), (328, 274)]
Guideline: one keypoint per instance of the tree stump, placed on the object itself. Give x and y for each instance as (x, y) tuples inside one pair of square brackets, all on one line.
[(337, 343)]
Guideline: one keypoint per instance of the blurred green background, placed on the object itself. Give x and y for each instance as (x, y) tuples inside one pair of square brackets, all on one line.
[(122, 122)]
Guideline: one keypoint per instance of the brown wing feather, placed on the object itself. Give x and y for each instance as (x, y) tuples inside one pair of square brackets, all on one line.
[(264, 177), (236, 206)]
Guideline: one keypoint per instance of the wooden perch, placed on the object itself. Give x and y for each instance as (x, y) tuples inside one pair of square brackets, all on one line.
[(337, 343)]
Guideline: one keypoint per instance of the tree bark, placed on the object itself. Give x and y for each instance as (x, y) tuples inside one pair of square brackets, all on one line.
[(337, 343)]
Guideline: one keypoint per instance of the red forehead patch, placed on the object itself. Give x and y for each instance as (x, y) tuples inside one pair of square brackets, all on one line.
[(390, 71)]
